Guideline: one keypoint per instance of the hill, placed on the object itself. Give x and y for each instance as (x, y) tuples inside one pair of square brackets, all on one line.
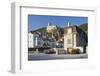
[(42, 30), (60, 31), (84, 27)]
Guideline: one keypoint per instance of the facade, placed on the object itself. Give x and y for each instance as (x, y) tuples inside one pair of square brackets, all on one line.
[(34, 40), (74, 37), (51, 27), (30, 40)]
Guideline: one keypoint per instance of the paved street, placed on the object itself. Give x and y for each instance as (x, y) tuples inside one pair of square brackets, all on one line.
[(53, 56)]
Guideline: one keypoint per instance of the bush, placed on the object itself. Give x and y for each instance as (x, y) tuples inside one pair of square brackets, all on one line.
[(73, 51)]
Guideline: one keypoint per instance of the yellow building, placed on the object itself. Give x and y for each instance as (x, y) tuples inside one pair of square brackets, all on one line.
[(74, 37)]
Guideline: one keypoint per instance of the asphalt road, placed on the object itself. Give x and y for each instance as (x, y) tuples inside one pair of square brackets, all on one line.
[(53, 56)]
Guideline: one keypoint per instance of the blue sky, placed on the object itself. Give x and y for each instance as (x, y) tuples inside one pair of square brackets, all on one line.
[(39, 21)]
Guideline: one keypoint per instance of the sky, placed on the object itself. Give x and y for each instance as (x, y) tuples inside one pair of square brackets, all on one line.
[(39, 21)]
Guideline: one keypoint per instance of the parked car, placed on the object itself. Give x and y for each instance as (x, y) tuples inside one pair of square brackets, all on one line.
[(49, 51)]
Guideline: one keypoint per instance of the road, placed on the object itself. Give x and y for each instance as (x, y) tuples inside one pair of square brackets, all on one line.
[(53, 56)]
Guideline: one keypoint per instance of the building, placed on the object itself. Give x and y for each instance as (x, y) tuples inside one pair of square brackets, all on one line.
[(60, 42), (52, 43), (34, 40), (75, 37), (30, 40), (51, 27)]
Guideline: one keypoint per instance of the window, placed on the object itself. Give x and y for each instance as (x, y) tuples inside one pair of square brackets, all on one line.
[(68, 41)]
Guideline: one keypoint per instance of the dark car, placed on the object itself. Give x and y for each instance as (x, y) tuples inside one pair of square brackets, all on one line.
[(49, 51)]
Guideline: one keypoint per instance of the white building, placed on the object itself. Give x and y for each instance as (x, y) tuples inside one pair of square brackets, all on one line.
[(30, 40), (51, 27), (34, 41)]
